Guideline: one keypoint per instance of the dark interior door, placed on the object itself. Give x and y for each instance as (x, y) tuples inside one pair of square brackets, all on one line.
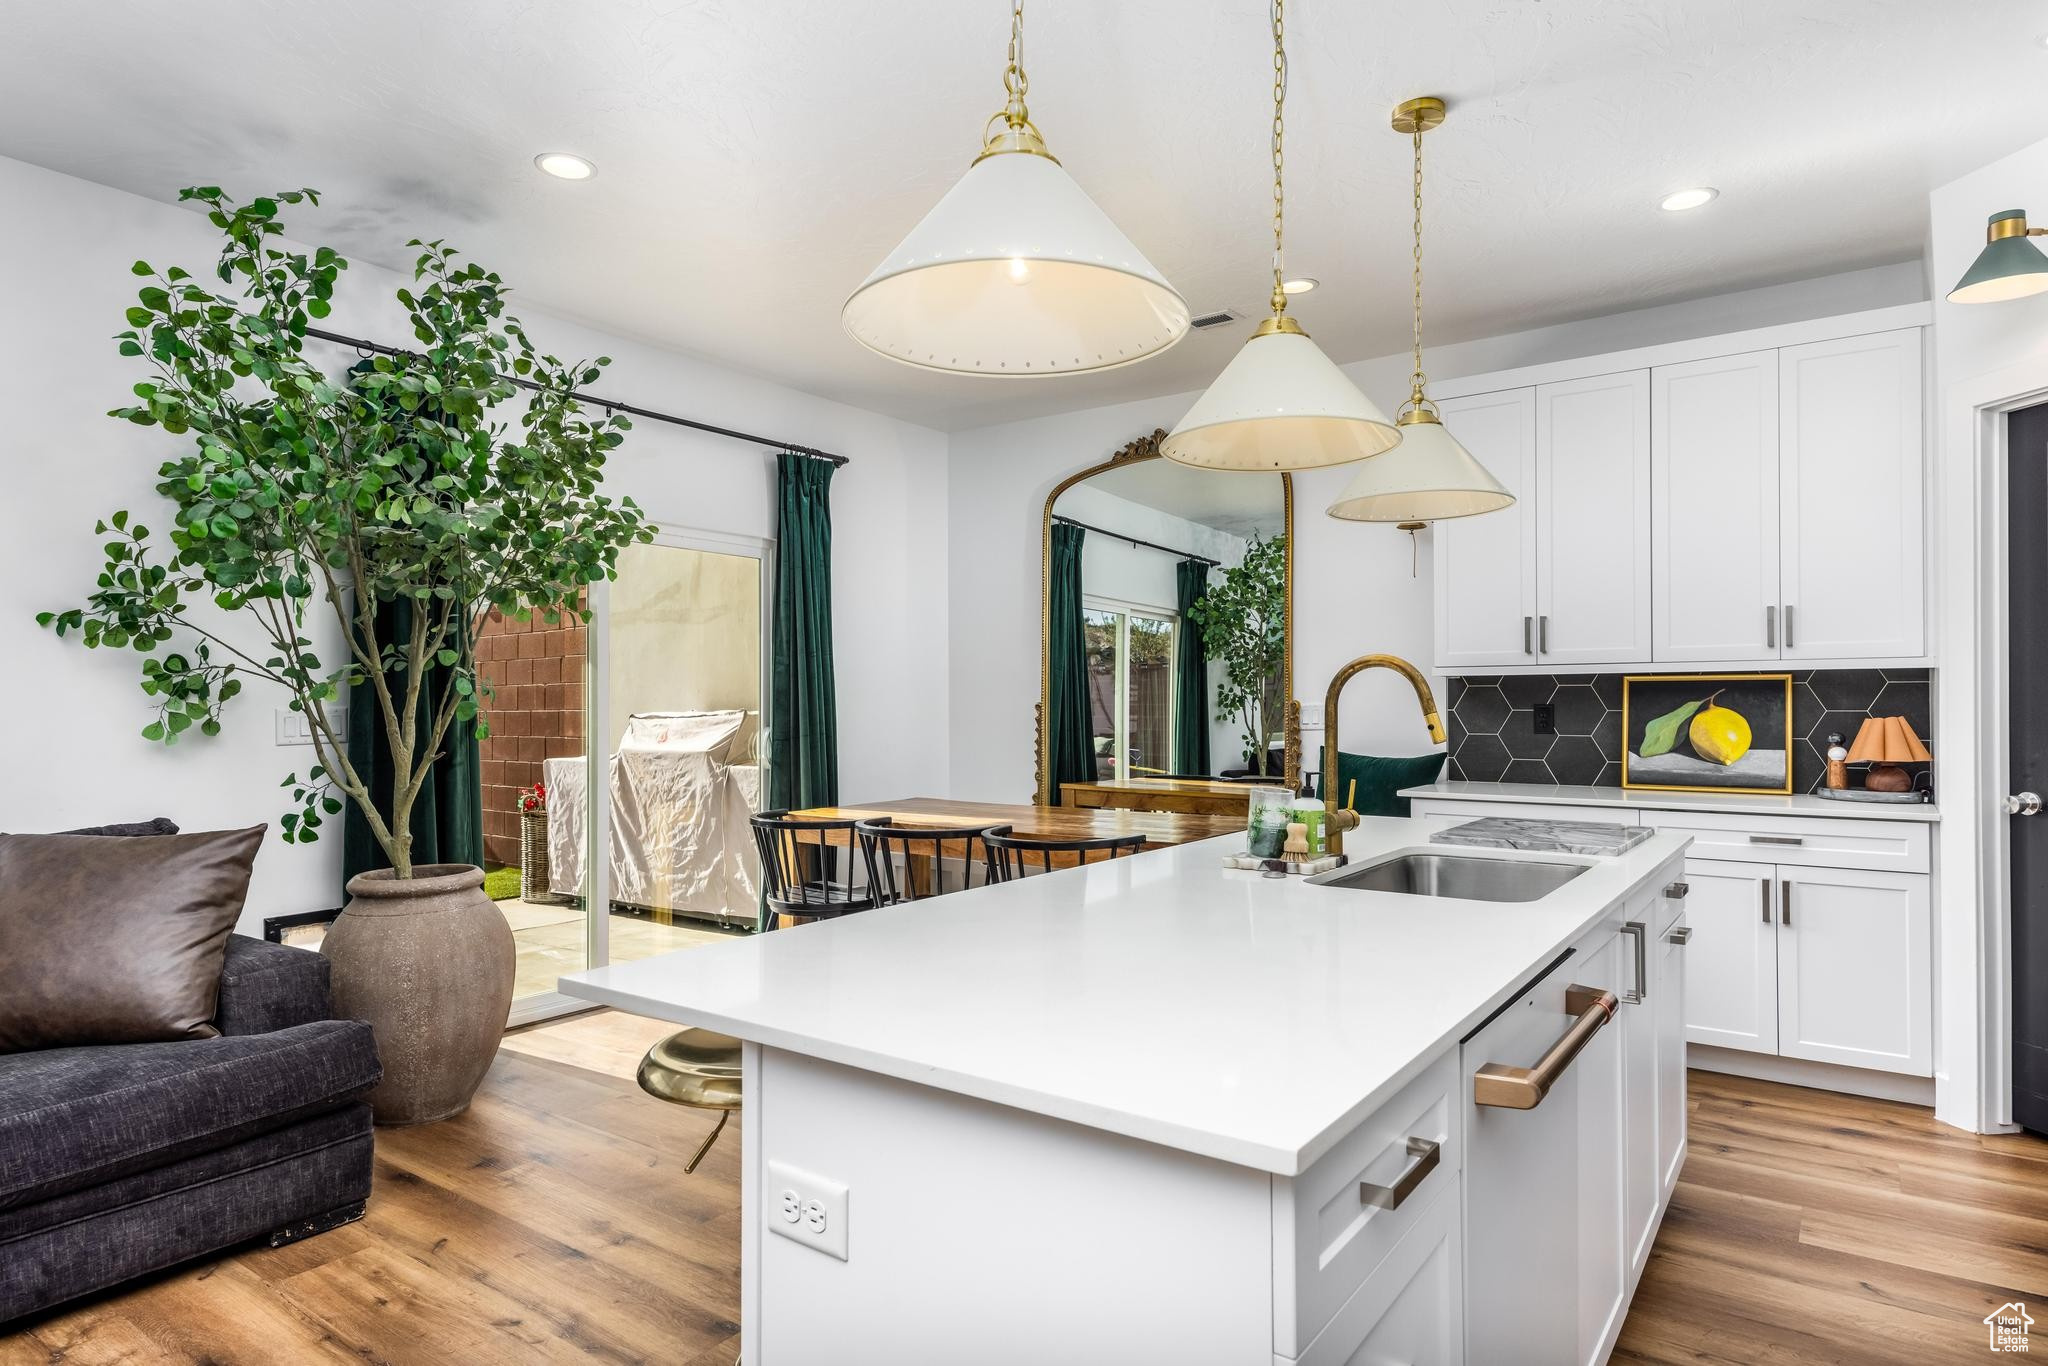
[(2027, 570)]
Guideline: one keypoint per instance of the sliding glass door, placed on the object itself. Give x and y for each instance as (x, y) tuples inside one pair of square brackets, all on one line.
[(651, 822), (1131, 688)]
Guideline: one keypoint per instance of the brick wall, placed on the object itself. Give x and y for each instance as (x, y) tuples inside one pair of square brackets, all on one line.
[(535, 672)]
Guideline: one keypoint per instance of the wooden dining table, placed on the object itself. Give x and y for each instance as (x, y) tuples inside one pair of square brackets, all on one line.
[(1160, 828)]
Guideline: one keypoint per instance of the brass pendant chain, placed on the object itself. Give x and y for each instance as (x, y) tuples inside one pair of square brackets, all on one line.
[(1015, 82), (1279, 157), (1418, 379)]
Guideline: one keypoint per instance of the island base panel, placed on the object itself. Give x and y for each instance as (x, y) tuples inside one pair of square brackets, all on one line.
[(978, 1232)]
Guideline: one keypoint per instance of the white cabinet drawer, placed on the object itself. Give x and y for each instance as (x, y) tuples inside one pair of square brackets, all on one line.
[(1327, 1239), (1412, 1310), (1881, 846)]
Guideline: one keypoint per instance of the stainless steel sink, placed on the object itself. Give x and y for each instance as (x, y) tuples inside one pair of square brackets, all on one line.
[(1455, 875)]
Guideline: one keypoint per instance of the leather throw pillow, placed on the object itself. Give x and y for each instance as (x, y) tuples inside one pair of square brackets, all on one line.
[(106, 941)]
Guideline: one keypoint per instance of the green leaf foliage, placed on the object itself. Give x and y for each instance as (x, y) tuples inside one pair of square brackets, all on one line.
[(1244, 624), (1660, 735), (300, 484)]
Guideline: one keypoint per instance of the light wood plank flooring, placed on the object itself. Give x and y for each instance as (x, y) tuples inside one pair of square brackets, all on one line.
[(553, 1222)]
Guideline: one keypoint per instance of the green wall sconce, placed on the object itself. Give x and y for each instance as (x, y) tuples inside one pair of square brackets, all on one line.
[(2009, 267)]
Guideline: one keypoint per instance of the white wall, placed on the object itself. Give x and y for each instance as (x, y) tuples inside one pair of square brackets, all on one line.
[(1354, 591), (71, 716), (1984, 354)]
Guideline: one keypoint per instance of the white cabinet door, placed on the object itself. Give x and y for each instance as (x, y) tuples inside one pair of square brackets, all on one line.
[(1669, 954), (1639, 1062), (1486, 566), (1603, 1255), (1414, 1302), (1714, 507), (1593, 520), (1850, 477), (1855, 968), (1731, 965)]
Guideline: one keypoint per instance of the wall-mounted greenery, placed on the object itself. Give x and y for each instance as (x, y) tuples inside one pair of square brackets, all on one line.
[(300, 492)]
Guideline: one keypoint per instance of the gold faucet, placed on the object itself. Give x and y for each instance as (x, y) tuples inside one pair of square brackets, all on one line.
[(1423, 696)]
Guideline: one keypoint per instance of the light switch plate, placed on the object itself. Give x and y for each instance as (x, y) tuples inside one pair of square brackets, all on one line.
[(806, 1208), (293, 728)]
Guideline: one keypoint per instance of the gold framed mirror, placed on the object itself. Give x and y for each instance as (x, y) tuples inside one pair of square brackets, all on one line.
[(1142, 521)]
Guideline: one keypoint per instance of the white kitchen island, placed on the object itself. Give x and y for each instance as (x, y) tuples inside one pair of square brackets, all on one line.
[(1159, 1111)]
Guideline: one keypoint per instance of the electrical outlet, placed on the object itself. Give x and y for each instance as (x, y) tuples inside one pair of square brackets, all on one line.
[(807, 1208), (1545, 720)]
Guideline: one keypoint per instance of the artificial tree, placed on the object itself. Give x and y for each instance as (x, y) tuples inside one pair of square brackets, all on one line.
[(301, 492), (1244, 624)]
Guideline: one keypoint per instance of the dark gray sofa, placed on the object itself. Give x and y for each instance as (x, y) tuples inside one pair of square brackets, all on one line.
[(122, 1160)]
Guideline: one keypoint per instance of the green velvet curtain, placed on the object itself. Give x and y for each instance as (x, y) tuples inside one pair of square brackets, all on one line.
[(1069, 727), (448, 816), (803, 708), (1191, 674)]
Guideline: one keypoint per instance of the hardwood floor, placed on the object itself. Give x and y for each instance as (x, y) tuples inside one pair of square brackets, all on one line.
[(1810, 1227), (553, 1222)]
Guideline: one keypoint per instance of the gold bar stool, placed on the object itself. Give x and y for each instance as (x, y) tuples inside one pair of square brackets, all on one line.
[(698, 1068)]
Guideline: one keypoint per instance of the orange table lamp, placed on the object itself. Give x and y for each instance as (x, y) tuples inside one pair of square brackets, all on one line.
[(1885, 742)]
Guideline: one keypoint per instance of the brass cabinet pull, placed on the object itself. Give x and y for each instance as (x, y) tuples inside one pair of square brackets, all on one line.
[(1785, 903), (1764, 895), (1523, 1088), (1640, 932), (1426, 1153), (1788, 625), (1677, 891), (1543, 634), (1528, 643), (1770, 628), (1680, 936)]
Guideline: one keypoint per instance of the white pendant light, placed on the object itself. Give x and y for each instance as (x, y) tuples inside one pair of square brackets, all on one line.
[(1280, 404), (1429, 477), (1016, 271)]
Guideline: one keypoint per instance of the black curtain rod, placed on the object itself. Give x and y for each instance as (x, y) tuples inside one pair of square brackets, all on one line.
[(612, 404), (1149, 545)]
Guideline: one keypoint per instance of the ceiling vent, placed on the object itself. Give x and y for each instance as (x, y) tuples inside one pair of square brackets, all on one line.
[(1219, 318)]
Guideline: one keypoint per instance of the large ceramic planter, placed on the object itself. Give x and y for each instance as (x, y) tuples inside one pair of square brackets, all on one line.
[(428, 962)]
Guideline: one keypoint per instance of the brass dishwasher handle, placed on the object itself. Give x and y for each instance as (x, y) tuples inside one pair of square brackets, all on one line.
[(1523, 1088), (1426, 1154)]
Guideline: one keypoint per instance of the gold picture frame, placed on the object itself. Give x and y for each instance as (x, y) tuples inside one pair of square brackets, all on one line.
[(1654, 693), (1135, 452)]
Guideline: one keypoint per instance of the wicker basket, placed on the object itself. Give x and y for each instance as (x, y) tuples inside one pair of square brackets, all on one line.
[(533, 856)]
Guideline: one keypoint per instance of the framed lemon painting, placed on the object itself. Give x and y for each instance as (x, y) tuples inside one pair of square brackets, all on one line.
[(1707, 732)]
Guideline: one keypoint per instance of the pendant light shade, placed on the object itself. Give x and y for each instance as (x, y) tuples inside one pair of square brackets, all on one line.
[(1016, 271), (1427, 478), (1430, 477), (2009, 267), (1280, 404)]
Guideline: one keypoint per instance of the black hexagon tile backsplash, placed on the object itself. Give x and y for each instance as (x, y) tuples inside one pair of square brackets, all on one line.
[(1493, 736)]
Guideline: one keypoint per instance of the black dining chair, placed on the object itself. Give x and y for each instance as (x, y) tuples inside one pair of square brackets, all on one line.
[(805, 876), (908, 862), (1014, 856)]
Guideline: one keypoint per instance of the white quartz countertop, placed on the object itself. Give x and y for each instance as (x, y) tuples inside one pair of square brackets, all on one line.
[(1251, 1019), (1797, 804)]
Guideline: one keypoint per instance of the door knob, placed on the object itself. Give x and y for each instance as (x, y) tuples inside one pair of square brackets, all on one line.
[(2022, 804)]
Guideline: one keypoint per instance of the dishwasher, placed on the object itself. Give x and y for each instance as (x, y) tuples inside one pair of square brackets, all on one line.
[(1540, 1165)]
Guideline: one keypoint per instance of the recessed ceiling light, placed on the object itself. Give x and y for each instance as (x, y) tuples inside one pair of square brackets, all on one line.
[(1680, 200), (1301, 284), (565, 165)]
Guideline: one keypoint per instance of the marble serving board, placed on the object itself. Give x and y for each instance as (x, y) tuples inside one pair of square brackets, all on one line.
[(1546, 837)]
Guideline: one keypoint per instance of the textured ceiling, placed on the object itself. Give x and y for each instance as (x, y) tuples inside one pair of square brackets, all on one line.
[(757, 157)]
